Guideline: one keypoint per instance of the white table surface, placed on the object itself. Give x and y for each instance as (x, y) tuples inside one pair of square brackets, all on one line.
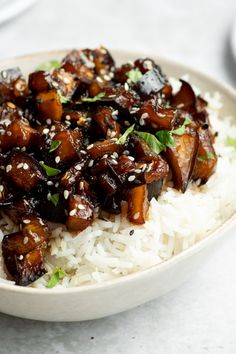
[(200, 316)]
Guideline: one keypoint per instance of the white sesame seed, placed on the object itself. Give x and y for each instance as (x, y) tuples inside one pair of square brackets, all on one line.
[(81, 206), (8, 168), (126, 86), (131, 178), (72, 212), (45, 131), (107, 77), (138, 170), (67, 117), (141, 121), (99, 79), (114, 162), (25, 166), (126, 152), (66, 80), (90, 164), (136, 215), (4, 74), (144, 167), (81, 185), (131, 158), (50, 183), (49, 121), (115, 113), (49, 196), (89, 146), (57, 159), (25, 240), (105, 156), (23, 148), (26, 221), (1, 188), (66, 194), (21, 257), (78, 167), (9, 133), (112, 134), (115, 155), (144, 115), (57, 184)]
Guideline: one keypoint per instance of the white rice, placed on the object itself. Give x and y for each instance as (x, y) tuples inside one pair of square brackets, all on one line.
[(108, 249)]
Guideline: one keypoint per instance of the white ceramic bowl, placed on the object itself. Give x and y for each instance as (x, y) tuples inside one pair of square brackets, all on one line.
[(100, 300)]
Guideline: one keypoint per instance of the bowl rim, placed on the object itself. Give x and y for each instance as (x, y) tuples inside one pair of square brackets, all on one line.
[(201, 244)]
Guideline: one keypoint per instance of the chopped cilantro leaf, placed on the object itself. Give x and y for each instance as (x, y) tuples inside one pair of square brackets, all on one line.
[(134, 75), (50, 171), (54, 145), (231, 141), (54, 198), (95, 98), (51, 64), (152, 141), (57, 275), (124, 136), (208, 156), (63, 99)]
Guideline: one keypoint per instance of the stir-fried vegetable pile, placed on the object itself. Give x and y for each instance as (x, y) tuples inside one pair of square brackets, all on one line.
[(83, 135)]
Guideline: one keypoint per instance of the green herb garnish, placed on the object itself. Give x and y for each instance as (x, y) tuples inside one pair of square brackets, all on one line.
[(93, 99), (52, 64), (63, 99), (54, 145), (208, 156), (181, 130), (165, 137), (124, 136), (50, 171), (54, 198), (231, 141), (134, 75), (57, 275), (152, 141)]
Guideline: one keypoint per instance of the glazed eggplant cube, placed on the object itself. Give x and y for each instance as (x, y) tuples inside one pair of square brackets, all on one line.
[(20, 208), (206, 157), (23, 251), (80, 213), (100, 148), (157, 118), (24, 171), (76, 62), (103, 61), (106, 123), (64, 81), (137, 204), (182, 158), (49, 105), (151, 82), (156, 170), (70, 143), (18, 134), (40, 81), (121, 73), (12, 85), (185, 98), (31, 267)]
